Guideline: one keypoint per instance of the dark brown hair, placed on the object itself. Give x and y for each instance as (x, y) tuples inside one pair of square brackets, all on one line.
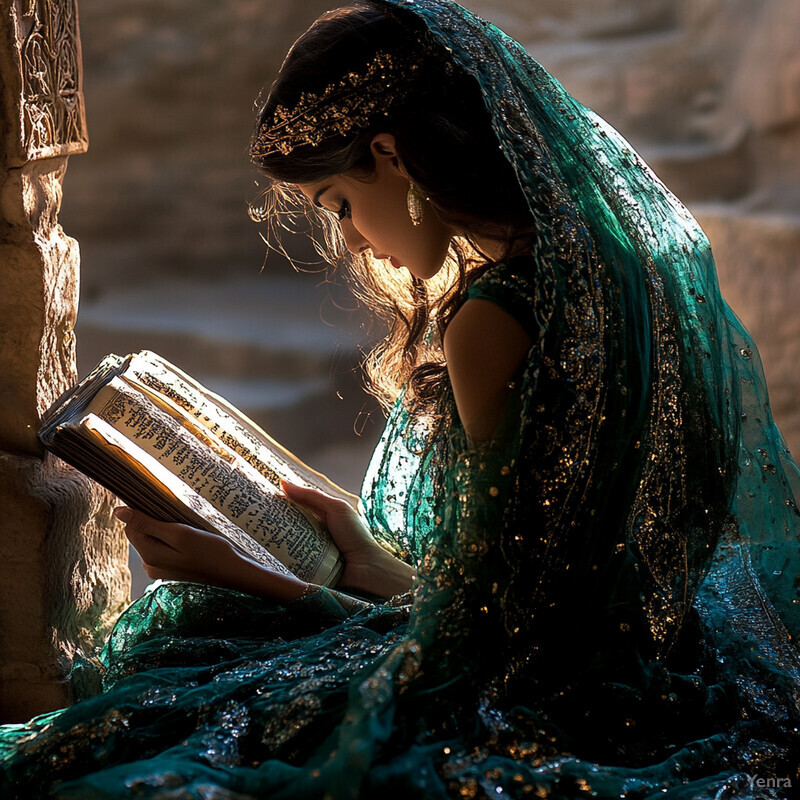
[(446, 143)]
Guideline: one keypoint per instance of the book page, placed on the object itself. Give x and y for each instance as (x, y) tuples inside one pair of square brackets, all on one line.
[(222, 478), (166, 495), (228, 424)]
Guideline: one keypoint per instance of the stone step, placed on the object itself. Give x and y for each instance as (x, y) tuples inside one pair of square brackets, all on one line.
[(701, 172), (573, 19), (638, 84), (607, 74), (268, 346), (237, 328)]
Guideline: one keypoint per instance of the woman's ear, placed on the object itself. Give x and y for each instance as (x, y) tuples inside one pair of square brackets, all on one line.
[(384, 150)]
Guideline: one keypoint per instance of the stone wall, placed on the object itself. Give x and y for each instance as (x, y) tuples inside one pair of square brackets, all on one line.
[(62, 562)]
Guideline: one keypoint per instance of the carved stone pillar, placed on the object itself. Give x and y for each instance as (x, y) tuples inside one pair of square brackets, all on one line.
[(62, 560)]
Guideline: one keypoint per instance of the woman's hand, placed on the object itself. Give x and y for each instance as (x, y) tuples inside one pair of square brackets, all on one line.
[(367, 566), (179, 552)]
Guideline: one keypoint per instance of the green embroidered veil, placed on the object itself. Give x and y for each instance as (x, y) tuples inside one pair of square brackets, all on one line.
[(607, 592)]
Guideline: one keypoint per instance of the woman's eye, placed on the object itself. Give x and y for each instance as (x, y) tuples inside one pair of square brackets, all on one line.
[(343, 212)]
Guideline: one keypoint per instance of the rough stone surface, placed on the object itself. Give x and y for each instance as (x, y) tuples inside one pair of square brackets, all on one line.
[(62, 560), (64, 579), (39, 304), (757, 254)]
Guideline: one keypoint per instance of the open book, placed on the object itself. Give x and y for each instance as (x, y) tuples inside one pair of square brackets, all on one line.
[(167, 446)]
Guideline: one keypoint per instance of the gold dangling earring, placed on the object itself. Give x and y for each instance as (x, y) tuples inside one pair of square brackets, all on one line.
[(416, 204)]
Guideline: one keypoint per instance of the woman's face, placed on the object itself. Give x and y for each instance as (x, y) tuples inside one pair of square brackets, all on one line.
[(373, 214)]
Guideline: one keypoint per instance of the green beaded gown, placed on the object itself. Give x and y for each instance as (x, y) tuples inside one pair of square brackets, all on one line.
[(607, 593)]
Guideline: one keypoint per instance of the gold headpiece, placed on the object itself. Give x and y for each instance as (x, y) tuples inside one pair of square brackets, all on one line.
[(351, 103)]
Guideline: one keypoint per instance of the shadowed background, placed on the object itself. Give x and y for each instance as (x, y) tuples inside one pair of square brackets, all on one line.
[(707, 90)]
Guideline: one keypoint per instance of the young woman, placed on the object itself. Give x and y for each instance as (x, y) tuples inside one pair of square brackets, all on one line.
[(580, 481)]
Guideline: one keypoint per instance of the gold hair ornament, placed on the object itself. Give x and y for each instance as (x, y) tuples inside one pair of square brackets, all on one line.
[(353, 102)]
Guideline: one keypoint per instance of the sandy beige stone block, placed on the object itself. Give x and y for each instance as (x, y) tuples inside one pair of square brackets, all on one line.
[(758, 260), (63, 574)]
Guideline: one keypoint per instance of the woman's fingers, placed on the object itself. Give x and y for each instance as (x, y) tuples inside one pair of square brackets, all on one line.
[(318, 502), (174, 551), (167, 549), (140, 526)]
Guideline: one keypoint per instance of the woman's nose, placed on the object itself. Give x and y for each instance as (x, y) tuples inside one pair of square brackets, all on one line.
[(353, 239)]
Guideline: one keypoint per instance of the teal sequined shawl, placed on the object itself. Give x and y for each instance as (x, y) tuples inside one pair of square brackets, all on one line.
[(607, 591)]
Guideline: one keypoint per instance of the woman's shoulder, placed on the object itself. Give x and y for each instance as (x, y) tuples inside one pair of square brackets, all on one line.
[(511, 285), (485, 344)]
